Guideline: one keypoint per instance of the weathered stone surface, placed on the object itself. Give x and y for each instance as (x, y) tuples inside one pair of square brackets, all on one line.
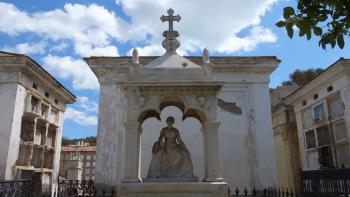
[(173, 190)]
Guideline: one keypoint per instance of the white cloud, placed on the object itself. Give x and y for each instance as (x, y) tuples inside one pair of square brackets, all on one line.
[(87, 105), (28, 48), (149, 50), (208, 23), (90, 26), (69, 68), (88, 50), (80, 117), (59, 47), (257, 35)]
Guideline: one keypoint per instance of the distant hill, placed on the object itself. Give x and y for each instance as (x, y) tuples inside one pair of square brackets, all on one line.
[(92, 140)]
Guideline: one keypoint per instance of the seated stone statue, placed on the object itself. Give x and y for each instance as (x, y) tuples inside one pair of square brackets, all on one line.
[(171, 161)]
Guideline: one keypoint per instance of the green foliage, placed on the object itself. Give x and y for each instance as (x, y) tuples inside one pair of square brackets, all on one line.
[(65, 141), (327, 19), (302, 77), (91, 140)]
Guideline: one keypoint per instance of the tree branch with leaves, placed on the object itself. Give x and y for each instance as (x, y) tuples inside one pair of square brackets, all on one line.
[(327, 19)]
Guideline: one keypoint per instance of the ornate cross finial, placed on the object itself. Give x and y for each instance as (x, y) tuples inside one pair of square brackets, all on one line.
[(170, 43), (171, 18)]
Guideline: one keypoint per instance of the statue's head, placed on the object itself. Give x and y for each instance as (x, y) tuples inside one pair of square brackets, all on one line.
[(170, 120)]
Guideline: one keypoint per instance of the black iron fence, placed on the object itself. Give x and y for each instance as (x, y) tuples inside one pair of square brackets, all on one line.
[(268, 192), (328, 183), (74, 188), (318, 183), (18, 188)]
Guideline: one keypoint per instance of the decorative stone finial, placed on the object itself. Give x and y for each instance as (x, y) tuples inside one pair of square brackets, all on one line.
[(205, 56), (135, 56), (170, 43)]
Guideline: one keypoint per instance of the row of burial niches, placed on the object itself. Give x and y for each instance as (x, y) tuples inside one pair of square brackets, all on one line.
[(38, 134)]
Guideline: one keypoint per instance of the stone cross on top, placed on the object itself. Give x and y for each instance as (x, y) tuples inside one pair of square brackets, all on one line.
[(170, 43), (171, 18)]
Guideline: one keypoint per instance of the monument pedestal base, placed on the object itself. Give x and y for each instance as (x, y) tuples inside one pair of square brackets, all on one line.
[(173, 189)]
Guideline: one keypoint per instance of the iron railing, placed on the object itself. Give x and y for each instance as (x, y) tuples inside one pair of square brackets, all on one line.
[(268, 192), (75, 188), (330, 182), (17, 188)]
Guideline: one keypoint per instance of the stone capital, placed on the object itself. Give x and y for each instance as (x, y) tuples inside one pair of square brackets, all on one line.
[(210, 125), (132, 125)]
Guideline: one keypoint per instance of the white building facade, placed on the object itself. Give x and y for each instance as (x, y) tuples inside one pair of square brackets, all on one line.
[(32, 106), (322, 110), (244, 112)]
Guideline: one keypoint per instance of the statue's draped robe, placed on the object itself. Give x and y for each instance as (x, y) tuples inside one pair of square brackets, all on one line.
[(170, 160)]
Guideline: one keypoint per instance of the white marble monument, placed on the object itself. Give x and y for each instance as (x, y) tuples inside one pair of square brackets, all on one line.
[(227, 96)]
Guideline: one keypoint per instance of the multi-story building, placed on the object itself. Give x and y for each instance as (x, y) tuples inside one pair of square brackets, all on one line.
[(322, 109), (32, 106), (78, 162), (285, 137)]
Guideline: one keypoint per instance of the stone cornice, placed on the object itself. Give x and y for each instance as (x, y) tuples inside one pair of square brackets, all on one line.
[(23, 64), (257, 64), (340, 67), (174, 87)]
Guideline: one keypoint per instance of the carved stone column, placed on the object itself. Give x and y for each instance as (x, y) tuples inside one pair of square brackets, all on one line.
[(29, 158), (212, 172), (132, 153), (28, 107)]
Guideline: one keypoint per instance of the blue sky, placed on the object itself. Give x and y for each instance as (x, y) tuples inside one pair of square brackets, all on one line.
[(57, 34)]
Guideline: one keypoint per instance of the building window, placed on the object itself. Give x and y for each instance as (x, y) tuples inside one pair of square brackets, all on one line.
[(35, 86), (307, 119), (340, 132), (54, 116), (329, 88), (34, 102), (336, 107), (87, 164), (56, 101), (47, 94), (304, 103), (315, 96), (319, 113), (325, 157), (310, 138), (323, 136), (343, 155), (44, 110), (88, 157)]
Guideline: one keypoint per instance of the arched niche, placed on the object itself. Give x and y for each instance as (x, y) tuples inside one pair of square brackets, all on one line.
[(195, 113), (194, 100), (190, 132), (148, 113)]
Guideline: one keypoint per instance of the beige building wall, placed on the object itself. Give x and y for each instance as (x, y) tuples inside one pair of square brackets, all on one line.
[(78, 162), (285, 139)]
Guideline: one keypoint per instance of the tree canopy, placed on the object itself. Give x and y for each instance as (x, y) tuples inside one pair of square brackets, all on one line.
[(327, 19), (302, 77), (91, 140)]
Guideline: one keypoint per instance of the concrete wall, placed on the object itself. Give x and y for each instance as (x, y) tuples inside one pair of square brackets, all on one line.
[(12, 97), (110, 136)]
